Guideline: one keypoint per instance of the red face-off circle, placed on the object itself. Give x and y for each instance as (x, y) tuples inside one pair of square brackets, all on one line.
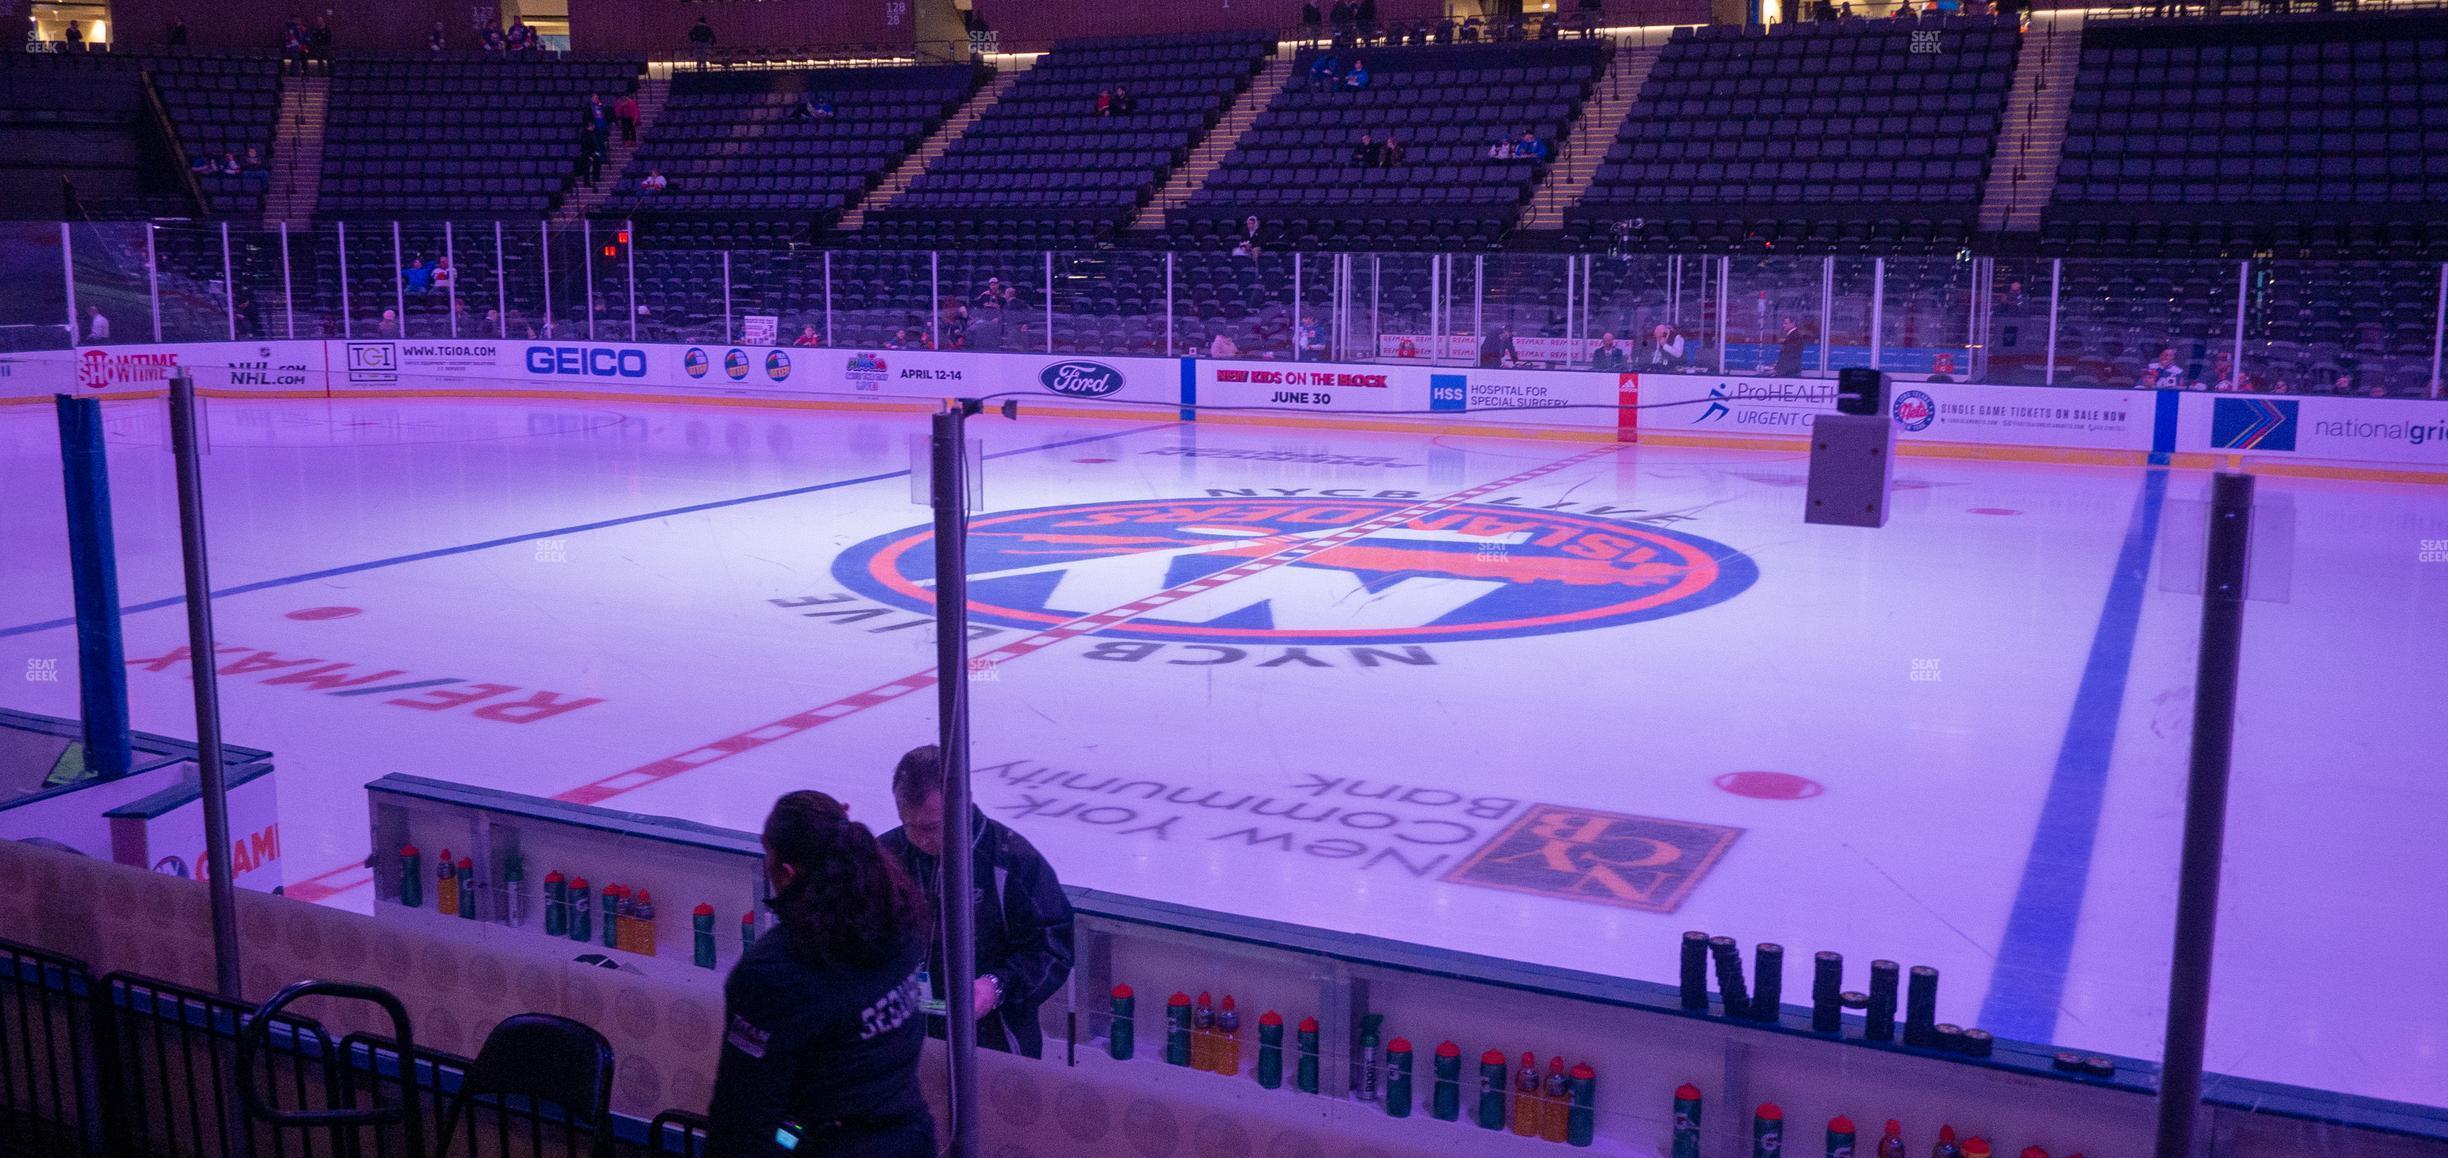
[(325, 612), (1769, 785)]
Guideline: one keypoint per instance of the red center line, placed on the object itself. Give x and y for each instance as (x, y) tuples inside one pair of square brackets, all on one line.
[(1293, 550)]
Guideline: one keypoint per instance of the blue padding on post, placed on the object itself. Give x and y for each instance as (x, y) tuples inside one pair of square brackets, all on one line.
[(1189, 393), (93, 568)]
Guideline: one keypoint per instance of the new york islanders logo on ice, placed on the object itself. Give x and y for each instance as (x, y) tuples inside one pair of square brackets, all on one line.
[(1469, 571)]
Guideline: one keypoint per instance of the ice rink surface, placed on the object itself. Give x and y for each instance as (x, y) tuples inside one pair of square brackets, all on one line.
[(1556, 701)]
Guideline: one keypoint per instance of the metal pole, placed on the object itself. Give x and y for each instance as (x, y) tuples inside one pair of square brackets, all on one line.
[(2205, 821), (288, 286), (152, 283), (2439, 330), (399, 283), (348, 313), (727, 330), (935, 299), (1827, 309), (1376, 304), (501, 285), (828, 297), (76, 332), (1436, 308), (544, 249), (207, 687), (1296, 304), (1173, 350), (450, 253), (1479, 332), (1569, 289), (2056, 281), (1049, 301), (1724, 265), (1878, 310), (586, 285), (629, 257), (951, 502), (2235, 359), (229, 286)]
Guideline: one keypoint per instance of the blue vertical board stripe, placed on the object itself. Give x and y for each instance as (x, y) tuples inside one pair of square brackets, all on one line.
[(2163, 427), (93, 569), (1189, 389), (2027, 984)]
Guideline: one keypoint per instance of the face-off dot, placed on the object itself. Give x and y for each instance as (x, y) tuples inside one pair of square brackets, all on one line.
[(1769, 785)]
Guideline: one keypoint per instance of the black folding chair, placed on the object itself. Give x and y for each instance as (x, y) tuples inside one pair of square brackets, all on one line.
[(547, 1061)]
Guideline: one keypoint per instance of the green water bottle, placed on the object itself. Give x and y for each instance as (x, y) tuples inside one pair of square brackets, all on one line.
[(581, 911), (701, 930), (412, 877), (1581, 1118), (1177, 1030), (1398, 1078), (1687, 1121), (1270, 1050), (556, 904), (1840, 1137), (1445, 1096), (1305, 1078), (1494, 1081), (1122, 1039), (468, 888), (1369, 1024), (1767, 1131)]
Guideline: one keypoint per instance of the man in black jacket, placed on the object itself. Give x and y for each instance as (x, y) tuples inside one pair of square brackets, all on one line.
[(1023, 915)]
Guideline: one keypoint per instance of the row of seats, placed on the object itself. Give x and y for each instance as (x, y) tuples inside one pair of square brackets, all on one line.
[(732, 144), (2276, 128), (1051, 108), (1870, 117)]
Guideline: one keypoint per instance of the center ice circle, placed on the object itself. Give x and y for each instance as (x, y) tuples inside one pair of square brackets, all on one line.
[(1308, 570)]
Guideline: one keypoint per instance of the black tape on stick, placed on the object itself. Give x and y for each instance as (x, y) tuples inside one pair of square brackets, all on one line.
[(1695, 971), (1921, 1007), (1768, 993), (1883, 978), (1827, 992), (1730, 987)]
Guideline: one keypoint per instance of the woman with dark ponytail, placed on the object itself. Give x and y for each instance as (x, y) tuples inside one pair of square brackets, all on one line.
[(820, 1053)]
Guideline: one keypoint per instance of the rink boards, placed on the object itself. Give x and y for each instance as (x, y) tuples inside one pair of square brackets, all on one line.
[(2314, 434)]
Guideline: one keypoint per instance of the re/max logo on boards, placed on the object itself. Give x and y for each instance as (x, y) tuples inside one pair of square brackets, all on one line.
[(586, 362)]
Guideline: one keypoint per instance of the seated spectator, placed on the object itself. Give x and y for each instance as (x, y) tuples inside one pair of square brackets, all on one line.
[(1358, 78), (204, 165), (229, 165), (388, 327), (1325, 72), (416, 279), (990, 298), (1530, 147), (808, 336), (442, 277), (911, 336), (1249, 233), (1665, 348), (2222, 376), (1124, 103), (1309, 341), (1369, 154), (1497, 350), (253, 161), (433, 39), (1104, 102), (1608, 355), (1390, 154), (1223, 346), (2163, 373), (493, 43), (1505, 148), (952, 320), (1942, 368), (653, 182), (821, 110)]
